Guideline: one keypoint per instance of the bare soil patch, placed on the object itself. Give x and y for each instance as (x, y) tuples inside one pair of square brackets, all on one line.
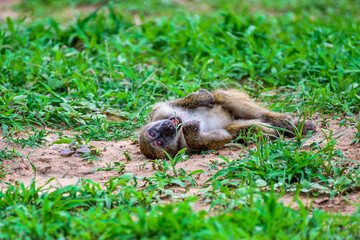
[(65, 15), (69, 170), (343, 204), (6, 9)]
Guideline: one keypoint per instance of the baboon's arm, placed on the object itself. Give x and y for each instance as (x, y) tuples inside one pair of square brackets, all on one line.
[(198, 141), (201, 98)]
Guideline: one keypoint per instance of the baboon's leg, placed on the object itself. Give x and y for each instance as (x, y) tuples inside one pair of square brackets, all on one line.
[(238, 126), (303, 127), (283, 126), (198, 141), (242, 107)]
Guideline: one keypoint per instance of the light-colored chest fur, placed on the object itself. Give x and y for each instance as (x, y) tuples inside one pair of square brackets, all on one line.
[(209, 118)]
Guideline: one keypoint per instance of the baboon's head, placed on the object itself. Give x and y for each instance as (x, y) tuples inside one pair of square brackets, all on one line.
[(159, 137)]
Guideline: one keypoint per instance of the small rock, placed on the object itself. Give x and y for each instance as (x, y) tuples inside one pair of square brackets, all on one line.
[(72, 144), (83, 149), (57, 149), (66, 152)]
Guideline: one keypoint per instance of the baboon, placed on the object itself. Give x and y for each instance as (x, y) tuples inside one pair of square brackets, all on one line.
[(207, 121)]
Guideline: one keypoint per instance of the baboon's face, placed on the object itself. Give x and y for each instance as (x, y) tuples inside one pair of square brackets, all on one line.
[(159, 137)]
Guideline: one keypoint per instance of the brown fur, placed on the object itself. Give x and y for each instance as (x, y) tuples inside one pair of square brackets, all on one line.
[(209, 121)]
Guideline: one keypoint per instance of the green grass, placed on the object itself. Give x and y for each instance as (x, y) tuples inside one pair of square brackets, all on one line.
[(6, 154), (290, 167), (34, 139), (356, 139), (89, 211), (100, 73), (104, 64)]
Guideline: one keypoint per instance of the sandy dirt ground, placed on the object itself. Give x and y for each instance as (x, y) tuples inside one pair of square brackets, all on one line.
[(69, 170), (66, 14), (6, 9)]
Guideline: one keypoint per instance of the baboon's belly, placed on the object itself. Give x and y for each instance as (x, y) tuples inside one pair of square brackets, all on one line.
[(209, 118)]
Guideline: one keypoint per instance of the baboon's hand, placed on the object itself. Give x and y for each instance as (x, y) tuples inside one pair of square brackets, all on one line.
[(191, 131), (203, 98), (191, 128), (204, 91)]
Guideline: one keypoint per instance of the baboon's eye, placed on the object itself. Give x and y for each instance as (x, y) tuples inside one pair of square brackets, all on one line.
[(158, 142), (151, 134)]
